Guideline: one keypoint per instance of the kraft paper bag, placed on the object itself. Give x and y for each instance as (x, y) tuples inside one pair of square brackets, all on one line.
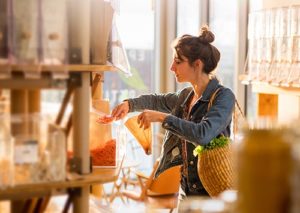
[(143, 136)]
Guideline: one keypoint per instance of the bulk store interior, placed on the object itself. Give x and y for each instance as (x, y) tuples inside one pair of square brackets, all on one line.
[(65, 65)]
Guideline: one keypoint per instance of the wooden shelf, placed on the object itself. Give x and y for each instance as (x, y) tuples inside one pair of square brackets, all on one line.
[(270, 89), (61, 68), (102, 175)]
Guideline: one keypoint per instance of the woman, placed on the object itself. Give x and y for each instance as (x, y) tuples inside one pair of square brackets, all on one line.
[(184, 114)]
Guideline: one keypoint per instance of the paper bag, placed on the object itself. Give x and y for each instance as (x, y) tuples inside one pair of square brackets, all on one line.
[(143, 136)]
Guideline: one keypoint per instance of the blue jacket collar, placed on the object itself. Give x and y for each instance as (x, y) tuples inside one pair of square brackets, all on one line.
[(211, 87)]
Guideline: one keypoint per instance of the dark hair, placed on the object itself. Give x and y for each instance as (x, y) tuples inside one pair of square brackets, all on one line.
[(199, 47)]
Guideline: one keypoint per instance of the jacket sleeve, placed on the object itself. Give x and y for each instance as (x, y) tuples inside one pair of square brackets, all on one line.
[(159, 102), (212, 124)]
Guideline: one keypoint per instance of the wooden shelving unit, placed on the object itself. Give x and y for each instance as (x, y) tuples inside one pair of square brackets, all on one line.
[(80, 79)]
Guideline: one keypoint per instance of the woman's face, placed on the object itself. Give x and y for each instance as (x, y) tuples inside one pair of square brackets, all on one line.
[(182, 69)]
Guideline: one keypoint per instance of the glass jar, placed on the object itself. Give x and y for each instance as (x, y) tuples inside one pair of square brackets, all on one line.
[(263, 169)]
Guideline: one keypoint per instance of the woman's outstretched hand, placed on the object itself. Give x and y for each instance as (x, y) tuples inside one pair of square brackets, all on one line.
[(121, 110), (148, 116), (105, 119)]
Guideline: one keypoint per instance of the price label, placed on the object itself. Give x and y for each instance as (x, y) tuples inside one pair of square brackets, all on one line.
[(27, 152)]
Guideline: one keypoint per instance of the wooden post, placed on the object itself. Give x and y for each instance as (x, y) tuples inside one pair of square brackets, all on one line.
[(34, 101), (18, 101), (81, 138), (79, 48), (97, 86), (18, 105)]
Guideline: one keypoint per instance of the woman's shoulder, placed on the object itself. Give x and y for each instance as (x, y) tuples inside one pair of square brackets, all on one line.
[(225, 91)]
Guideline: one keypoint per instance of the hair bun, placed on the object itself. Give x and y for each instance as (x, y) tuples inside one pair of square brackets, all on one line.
[(206, 36)]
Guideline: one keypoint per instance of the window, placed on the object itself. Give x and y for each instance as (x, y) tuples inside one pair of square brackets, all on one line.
[(252, 99), (223, 23), (188, 17), (136, 29), (188, 22)]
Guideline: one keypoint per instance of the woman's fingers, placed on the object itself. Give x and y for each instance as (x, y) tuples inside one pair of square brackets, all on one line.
[(121, 115), (115, 112), (121, 110), (143, 120), (139, 119), (146, 125)]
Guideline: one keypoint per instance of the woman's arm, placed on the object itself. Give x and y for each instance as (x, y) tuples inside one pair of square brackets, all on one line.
[(156, 102)]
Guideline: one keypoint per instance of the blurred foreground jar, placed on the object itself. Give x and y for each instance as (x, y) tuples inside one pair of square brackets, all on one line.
[(264, 163), (295, 177)]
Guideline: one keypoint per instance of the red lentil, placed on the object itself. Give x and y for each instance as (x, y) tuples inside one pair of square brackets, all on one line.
[(104, 155)]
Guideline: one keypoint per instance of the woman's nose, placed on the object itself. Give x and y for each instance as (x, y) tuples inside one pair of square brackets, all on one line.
[(172, 68)]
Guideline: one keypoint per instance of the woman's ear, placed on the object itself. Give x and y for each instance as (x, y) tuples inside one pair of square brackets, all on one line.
[(198, 63)]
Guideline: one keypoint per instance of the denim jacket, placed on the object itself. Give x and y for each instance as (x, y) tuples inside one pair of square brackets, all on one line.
[(201, 127)]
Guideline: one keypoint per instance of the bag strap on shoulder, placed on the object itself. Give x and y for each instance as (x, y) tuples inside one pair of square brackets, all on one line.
[(212, 98), (235, 114)]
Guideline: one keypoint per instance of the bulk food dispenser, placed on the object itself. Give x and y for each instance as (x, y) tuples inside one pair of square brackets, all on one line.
[(107, 141)]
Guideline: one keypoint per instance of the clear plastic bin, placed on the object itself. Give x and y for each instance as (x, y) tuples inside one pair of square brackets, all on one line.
[(54, 32), (25, 31), (107, 142), (39, 148)]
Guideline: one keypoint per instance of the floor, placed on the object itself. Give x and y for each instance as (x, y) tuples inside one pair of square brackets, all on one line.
[(118, 206), (98, 206)]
